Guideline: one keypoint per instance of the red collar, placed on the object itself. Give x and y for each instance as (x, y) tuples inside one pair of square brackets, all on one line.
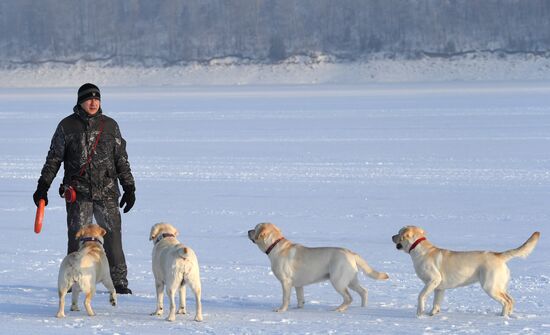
[(273, 245), (416, 243)]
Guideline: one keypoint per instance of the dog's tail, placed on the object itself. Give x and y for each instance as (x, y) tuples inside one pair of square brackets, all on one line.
[(523, 251), (183, 252), (368, 270)]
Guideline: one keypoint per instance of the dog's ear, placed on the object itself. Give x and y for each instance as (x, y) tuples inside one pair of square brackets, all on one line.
[(154, 232), (409, 232), (261, 234), (102, 231), (82, 231), (79, 233)]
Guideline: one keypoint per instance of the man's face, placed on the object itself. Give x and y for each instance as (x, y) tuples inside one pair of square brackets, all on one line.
[(91, 106)]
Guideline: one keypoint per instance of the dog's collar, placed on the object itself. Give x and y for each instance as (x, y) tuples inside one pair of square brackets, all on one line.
[(162, 236), (273, 245), (416, 243), (91, 239)]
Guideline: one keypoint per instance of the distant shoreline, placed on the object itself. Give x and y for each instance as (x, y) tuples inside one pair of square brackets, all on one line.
[(295, 70)]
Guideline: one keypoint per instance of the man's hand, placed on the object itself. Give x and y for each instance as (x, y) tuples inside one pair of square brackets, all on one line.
[(128, 198), (41, 193)]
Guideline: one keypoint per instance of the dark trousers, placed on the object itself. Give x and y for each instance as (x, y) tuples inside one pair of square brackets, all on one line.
[(107, 215)]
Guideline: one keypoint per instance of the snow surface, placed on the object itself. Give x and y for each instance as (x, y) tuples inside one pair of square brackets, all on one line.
[(332, 165)]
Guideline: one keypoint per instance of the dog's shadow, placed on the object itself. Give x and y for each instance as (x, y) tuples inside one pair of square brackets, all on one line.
[(388, 312), (242, 304)]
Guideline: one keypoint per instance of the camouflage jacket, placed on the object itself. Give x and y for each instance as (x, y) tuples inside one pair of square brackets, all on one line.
[(72, 144)]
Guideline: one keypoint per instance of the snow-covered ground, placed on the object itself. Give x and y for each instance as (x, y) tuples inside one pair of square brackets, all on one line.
[(338, 165)]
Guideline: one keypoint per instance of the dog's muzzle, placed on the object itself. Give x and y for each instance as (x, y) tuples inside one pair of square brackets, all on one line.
[(395, 239), (251, 234)]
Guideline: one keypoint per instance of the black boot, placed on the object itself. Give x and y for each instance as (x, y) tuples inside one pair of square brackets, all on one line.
[(121, 289)]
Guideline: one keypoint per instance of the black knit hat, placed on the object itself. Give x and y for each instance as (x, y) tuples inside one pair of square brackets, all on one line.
[(88, 91)]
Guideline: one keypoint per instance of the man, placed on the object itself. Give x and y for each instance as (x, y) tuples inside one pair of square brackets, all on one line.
[(93, 153)]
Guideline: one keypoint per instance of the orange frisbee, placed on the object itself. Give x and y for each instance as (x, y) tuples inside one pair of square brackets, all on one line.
[(39, 216)]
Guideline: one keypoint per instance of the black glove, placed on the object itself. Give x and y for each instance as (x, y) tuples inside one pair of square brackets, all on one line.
[(128, 198), (41, 193)]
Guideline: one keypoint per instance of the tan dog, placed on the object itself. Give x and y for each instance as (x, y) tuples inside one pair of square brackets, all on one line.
[(174, 265), (82, 269), (442, 269), (296, 266)]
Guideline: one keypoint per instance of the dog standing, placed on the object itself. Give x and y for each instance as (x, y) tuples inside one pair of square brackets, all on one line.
[(85, 268), (296, 266), (442, 269), (174, 265)]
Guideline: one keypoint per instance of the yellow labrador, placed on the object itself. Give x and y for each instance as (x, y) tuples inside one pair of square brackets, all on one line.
[(296, 266), (442, 269), (85, 268), (174, 265)]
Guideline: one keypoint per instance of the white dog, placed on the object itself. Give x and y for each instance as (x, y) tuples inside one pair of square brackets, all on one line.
[(85, 268), (174, 265), (296, 266), (442, 269)]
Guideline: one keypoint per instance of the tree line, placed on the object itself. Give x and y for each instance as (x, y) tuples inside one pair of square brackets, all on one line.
[(167, 32)]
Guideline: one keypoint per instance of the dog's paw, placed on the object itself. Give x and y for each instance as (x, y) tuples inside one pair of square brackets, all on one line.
[(171, 318), (74, 308), (280, 309), (198, 318), (434, 312), (157, 313), (60, 315), (112, 298), (181, 310)]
